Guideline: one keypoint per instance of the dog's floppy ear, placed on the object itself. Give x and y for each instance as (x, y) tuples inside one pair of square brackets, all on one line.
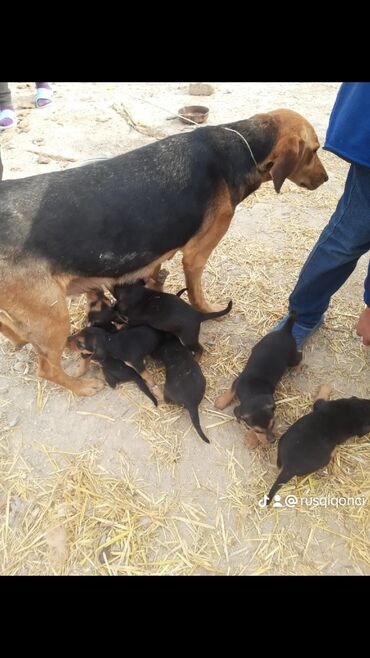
[(283, 160)]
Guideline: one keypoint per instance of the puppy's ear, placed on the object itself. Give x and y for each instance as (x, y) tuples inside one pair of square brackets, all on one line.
[(284, 160)]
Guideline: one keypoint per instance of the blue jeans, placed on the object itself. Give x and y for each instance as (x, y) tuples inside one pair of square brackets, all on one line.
[(335, 254)]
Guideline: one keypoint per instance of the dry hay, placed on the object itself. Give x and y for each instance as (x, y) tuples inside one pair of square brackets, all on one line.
[(94, 522), (82, 520)]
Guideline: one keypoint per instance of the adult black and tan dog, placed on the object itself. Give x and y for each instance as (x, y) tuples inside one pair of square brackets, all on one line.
[(67, 232)]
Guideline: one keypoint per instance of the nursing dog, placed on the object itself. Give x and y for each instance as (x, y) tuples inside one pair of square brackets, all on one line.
[(116, 220)]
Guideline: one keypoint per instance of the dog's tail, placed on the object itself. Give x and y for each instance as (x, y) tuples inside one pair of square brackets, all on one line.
[(181, 292), (216, 314), (144, 387), (281, 479), (194, 415), (288, 326)]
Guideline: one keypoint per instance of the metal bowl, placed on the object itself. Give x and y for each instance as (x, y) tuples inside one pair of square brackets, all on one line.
[(197, 113)]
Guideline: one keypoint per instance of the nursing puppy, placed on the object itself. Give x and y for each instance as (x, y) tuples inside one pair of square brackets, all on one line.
[(102, 313), (309, 443), (185, 382), (129, 346), (255, 386), (163, 311)]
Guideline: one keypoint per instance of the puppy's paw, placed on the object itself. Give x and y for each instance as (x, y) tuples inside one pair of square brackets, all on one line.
[(324, 392), (157, 283), (222, 401), (251, 439), (162, 275), (225, 399), (89, 387), (263, 440)]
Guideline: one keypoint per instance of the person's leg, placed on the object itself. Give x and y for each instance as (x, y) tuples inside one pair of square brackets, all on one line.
[(44, 94), (5, 95), (7, 113), (335, 255)]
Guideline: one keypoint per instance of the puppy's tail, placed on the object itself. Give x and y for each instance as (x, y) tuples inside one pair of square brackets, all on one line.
[(194, 415), (144, 387), (281, 479), (288, 326), (216, 314), (181, 292)]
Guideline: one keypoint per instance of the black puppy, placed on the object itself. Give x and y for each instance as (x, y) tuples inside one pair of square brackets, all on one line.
[(163, 311), (309, 443), (130, 345), (116, 372), (255, 386), (185, 382)]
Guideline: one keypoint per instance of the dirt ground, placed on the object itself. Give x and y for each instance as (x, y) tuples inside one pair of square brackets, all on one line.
[(111, 485)]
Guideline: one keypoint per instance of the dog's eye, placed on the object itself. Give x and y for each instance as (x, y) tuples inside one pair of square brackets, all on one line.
[(80, 344)]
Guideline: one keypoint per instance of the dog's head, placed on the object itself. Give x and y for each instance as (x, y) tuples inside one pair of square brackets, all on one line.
[(90, 342), (258, 414), (101, 312), (294, 154)]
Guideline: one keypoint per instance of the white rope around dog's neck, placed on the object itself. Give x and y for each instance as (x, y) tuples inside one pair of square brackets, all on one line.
[(244, 140)]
